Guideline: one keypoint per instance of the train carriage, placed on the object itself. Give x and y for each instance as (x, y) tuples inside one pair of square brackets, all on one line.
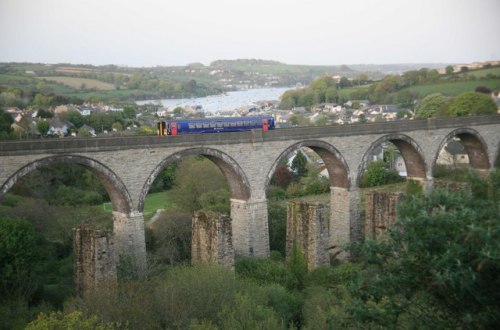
[(214, 125)]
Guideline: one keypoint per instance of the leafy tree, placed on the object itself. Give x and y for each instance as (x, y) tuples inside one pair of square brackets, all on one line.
[(246, 313), (43, 127), (193, 178), (74, 320), (171, 237), (20, 258), (6, 121), (282, 177), (299, 120), (432, 105), (439, 264), (449, 70), (375, 174), (129, 112), (472, 103), (299, 164), (74, 117)]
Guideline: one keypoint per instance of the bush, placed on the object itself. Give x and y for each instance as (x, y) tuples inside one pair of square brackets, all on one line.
[(264, 271), (375, 175)]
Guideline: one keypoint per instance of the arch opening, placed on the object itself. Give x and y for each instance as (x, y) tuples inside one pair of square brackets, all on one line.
[(307, 170), (459, 151), (399, 154), (201, 179), (54, 195)]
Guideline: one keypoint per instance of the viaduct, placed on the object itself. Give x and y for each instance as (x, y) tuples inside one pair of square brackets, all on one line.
[(127, 166)]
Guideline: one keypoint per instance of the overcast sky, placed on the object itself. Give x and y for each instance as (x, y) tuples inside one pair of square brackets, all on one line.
[(178, 32)]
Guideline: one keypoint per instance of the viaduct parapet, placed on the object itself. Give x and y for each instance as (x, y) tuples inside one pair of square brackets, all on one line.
[(127, 167)]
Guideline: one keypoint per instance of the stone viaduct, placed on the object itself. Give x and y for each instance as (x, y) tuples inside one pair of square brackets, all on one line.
[(127, 166)]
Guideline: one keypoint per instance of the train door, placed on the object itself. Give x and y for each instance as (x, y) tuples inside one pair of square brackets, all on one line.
[(265, 124), (173, 128)]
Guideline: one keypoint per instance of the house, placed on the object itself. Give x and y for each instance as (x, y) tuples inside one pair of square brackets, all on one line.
[(453, 154), (89, 129), (59, 127)]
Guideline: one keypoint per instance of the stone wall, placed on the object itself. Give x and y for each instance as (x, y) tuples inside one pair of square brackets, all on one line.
[(212, 239), (307, 226), (94, 258), (381, 212)]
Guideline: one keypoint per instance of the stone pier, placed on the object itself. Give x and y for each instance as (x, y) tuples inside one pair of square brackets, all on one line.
[(307, 226), (250, 228), (381, 212), (212, 240), (344, 221), (128, 231), (94, 258)]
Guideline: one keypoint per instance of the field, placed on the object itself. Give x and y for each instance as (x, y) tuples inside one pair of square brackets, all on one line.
[(454, 88), (78, 83), (157, 201)]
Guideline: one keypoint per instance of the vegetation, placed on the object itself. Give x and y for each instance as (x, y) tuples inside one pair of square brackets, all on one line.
[(403, 90)]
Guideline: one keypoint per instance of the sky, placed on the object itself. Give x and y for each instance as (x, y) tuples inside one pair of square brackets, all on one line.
[(143, 33)]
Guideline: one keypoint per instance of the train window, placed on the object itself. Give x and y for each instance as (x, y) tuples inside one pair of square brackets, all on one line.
[(226, 124), (206, 125), (199, 125), (219, 124), (239, 123), (233, 124), (212, 125), (191, 126)]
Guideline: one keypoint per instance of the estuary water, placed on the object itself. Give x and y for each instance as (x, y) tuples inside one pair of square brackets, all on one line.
[(224, 102)]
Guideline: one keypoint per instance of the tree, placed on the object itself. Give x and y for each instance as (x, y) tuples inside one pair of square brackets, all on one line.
[(20, 258), (43, 127), (449, 70), (129, 112), (432, 105), (74, 117), (472, 103), (299, 164), (440, 261), (171, 233), (375, 175), (75, 320), (194, 177), (282, 177), (6, 122)]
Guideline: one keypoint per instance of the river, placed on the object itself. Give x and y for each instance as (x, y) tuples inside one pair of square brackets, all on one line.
[(224, 102)]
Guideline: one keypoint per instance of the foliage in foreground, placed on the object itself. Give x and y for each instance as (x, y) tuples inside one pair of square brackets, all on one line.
[(438, 264)]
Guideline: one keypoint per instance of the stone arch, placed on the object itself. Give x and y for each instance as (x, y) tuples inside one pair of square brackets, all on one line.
[(115, 188), (335, 163), (410, 151), (239, 187), (474, 144)]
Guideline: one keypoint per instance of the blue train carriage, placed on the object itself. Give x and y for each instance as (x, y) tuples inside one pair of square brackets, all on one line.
[(214, 125)]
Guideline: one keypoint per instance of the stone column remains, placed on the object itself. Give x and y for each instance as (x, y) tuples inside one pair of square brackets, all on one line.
[(94, 258), (344, 222), (307, 226), (381, 212), (250, 228), (212, 239), (130, 241)]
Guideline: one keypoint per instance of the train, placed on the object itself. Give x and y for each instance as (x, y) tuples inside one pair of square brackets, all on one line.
[(214, 125)]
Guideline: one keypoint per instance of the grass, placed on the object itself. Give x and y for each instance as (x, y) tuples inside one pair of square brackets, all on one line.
[(157, 201), (77, 83), (454, 88)]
